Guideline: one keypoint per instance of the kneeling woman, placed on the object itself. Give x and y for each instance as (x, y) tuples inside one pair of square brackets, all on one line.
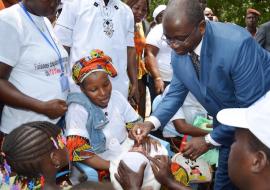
[(97, 118)]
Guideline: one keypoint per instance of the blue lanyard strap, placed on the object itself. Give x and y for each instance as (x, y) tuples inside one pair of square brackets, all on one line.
[(53, 46)]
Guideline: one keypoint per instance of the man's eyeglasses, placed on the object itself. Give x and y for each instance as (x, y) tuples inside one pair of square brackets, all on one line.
[(176, 41)]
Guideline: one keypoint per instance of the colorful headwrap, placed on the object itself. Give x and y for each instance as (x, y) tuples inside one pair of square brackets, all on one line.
[(97, 61)]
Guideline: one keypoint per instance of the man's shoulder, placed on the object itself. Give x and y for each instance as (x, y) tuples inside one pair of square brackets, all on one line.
[(11, 14), (228, 30), (265, 25), (228, 34)]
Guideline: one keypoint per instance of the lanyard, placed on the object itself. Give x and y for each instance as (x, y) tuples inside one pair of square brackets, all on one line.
[(53, 46)]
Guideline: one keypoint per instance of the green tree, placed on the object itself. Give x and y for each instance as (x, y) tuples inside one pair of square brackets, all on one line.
[(235, 10), (230, 10)]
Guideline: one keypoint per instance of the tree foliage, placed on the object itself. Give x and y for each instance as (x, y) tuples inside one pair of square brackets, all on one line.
[(230, 10)]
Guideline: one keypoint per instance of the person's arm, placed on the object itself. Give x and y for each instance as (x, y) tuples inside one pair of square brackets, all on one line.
[(161, 167), (165, 111), (80, 150), (64, 25), (97, 163), (11, 96), (132, 68), (151, 65), (183, 127)]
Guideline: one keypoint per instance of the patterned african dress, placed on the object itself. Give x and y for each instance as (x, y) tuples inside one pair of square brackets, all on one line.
[(140, 42)]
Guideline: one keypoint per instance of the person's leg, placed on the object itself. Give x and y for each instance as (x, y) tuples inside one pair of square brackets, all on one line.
[(151, 86), (222, 180), (142, 93)]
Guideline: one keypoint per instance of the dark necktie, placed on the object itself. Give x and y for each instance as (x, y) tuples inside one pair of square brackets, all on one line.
[(196, 63)]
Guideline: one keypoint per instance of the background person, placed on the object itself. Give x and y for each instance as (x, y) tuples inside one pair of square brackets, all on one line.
[(140, 10), (157, 61), (263, 36), (208, 13), (157, 15), (33, 65), (251, 19), (108, 25)]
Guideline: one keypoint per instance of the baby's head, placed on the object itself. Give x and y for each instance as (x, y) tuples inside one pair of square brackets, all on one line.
[(92, 73), (134, 160)]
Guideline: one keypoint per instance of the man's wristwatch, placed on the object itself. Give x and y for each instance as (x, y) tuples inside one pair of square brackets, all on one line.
[(207, 141)]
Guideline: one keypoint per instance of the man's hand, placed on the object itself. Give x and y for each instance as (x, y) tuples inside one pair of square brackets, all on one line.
[(128, 179), (53, 108), (195, 148), (159, 85), (161, 166), (133, 96), (140, 131)]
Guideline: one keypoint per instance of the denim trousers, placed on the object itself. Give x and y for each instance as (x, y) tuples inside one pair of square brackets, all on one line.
[(222, 180)]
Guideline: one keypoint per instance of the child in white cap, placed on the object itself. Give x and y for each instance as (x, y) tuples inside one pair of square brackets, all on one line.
[(249, 159)]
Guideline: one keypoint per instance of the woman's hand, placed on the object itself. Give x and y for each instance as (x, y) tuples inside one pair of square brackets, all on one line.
[(53, 108)]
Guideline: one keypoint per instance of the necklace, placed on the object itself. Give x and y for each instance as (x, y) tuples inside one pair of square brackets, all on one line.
[(106, 12)]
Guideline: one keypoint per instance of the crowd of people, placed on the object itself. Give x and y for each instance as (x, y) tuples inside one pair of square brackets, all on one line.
[(74, 78)]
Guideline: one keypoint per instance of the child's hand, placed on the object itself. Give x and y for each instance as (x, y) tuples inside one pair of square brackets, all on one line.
[(161, 166), (128, 179)]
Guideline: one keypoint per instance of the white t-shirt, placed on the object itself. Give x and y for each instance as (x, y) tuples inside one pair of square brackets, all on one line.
[(36, 69), (119, 112), (164, 53), (81, 27)]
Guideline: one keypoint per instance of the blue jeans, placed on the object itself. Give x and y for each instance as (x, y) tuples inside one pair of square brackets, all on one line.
[(222, 180)]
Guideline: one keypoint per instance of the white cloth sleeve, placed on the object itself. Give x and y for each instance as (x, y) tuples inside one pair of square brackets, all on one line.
[(130, 29), (76, 120), (154, 120), (10, 44), (65, 23), (212, 141), (154, 36)]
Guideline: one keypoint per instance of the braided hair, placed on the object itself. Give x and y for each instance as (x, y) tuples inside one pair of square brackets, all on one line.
[(25, 146)]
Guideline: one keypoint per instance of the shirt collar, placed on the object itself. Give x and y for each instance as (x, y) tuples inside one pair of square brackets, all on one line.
[(197, 50)]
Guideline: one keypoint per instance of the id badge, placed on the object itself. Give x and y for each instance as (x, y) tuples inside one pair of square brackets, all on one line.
[(64, 83)]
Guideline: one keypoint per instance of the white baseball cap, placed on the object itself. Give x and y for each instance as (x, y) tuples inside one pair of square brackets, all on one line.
[(158, 10), (256, 118)]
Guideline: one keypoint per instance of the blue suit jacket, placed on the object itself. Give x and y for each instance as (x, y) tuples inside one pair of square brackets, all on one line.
[(235, 72)]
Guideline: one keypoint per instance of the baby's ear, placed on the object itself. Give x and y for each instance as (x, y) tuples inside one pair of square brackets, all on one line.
[(55, 159)]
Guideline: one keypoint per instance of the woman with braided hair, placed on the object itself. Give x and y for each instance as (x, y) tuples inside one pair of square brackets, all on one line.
[(35, 152)]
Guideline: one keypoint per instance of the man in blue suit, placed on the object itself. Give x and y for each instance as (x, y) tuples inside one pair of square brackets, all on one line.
[(221, 65)]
